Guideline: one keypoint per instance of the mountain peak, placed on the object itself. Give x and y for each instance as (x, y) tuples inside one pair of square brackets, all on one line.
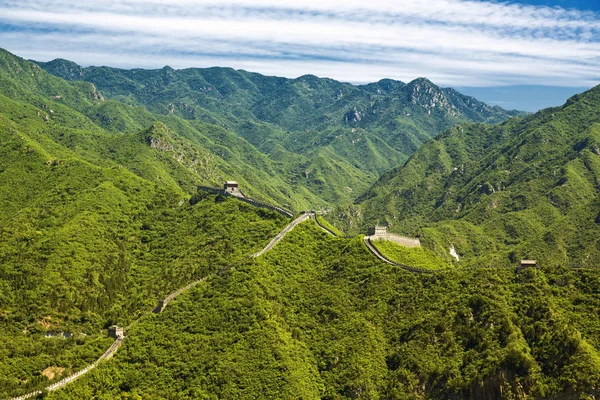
[(383, 86), (310, 79), (62, 61), (426, 94), (423, 82), (63, 68)]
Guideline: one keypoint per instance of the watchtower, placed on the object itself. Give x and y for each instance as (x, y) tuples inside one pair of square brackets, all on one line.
[(116, 332), (378, 230), (528, 264), (232, 188)]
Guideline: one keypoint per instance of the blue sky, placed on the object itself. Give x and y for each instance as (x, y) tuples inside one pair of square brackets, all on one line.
[(586, 5), (522, 55)]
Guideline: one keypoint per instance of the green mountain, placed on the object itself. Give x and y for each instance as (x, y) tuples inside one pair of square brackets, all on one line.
[(331, 139), (527, 188), (190, 153), (96, 226), (321, 318), (100, 219)]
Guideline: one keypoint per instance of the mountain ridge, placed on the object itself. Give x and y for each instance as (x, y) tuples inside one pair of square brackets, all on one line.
[(97, 225), (303, 106), (525, 188)]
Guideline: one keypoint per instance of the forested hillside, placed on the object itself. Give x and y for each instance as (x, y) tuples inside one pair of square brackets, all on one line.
[(95, 226), (319, 317), (527, 188), (172, 152)]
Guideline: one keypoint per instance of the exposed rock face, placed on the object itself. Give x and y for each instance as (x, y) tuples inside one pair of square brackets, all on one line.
[(353, 116), (95, 95), (427, 95), (161, 138), (160, 144)]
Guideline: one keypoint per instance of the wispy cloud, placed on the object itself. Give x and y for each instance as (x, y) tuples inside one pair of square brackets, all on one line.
[(453, 42)]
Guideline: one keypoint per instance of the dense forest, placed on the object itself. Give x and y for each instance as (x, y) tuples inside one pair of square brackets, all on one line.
[(86, 242), (319, 317), (321, 142)]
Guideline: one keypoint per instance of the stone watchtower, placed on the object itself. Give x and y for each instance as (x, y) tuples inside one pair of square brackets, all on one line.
[(378, 230), (528, 264), (232, 188), (116, 332)]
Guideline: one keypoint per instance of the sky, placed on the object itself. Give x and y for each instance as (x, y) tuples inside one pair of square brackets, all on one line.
[(516, 54)]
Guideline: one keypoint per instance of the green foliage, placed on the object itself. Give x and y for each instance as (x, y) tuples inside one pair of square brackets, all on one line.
[(109, 263), (414, 257), (329, 226), (303, 143), (96, 225), (527, 188), (320, 317)]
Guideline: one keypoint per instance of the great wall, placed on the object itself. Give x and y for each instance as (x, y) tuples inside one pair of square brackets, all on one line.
[(162, 304), (367, 240), (326, 229), (281, 234), (410, 243), (57, 385), (377, 253), (231, 189)]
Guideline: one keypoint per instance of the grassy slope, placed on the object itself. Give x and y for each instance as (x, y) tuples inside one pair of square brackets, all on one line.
[(84, 246), (415, 257), (77, 116), (319, 317), (329, 226), (85, 243)]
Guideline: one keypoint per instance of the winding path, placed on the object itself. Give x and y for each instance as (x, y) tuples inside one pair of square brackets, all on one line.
[(163, 303), (57, 385), (374, 250), (326, 229), (371, 247)]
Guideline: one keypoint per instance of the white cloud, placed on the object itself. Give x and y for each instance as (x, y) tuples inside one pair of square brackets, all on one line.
[(453, 42)]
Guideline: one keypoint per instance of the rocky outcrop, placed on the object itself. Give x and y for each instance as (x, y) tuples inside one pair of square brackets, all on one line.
[(94, 94)]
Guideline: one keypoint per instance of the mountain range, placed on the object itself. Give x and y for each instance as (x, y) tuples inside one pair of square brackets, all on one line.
[(101, 219), (329, 139)]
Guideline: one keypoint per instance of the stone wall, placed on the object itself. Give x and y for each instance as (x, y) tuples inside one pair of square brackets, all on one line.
[(240, 196), (401, 240)]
